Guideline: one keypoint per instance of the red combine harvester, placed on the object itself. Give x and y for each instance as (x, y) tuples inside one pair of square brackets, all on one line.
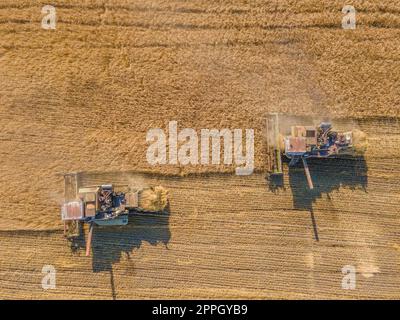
[(104, 205)]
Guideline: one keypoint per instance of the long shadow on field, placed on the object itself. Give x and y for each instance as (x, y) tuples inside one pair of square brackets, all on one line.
[(110, 243), (328, 175)]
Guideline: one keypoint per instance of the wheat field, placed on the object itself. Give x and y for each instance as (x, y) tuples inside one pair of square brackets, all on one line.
[(83, 96)]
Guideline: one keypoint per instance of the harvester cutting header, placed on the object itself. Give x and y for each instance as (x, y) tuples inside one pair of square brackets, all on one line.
[(297, 141), (106, 205)]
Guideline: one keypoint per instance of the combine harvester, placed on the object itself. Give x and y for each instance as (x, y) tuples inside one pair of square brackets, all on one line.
[(104, 206), (296, 141)]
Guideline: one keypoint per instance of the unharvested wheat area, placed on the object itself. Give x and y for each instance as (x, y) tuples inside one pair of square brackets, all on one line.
[(81, 98)]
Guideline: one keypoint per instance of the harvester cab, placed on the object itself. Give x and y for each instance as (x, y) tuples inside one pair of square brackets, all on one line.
[(297, 142), (104, 205)]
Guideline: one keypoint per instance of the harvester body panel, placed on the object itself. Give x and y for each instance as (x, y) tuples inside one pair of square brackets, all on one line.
[(72, 210)]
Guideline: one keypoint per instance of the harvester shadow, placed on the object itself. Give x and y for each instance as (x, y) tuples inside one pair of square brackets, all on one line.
[(328, 175), (110, 243), (275, 182)]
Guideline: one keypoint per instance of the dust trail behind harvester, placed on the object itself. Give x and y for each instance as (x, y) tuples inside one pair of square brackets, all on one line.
[(137, 181), (309, 87)]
